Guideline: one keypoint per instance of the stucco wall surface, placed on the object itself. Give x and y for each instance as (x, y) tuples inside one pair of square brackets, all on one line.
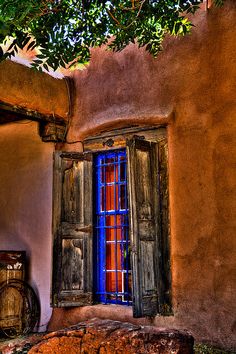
[(191, 89), (32, 90), (25, 204)]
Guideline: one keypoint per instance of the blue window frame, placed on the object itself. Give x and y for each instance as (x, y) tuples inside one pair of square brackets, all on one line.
[(112, 245)]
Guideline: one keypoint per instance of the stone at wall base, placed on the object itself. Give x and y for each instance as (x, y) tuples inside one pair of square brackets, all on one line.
[(20, 343), (111, 337)]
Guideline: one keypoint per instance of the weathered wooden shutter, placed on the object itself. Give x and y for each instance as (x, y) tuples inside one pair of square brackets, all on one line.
[(145, 226), (165, 300), (72, 225)]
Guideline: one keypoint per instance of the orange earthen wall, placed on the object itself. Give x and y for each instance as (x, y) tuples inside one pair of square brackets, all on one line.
[(190, 87), (33, 90), (26, 204), (26, 173)]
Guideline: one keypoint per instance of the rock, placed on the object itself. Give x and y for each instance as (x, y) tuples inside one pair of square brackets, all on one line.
[(19, 344), (114, 337)]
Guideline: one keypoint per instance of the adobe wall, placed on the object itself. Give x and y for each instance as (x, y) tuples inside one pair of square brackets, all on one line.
[(26, 173), (33, 90), (191, 89), (26, 204)]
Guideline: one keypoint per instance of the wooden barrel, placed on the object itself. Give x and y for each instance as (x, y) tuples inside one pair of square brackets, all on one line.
[(12, 266)]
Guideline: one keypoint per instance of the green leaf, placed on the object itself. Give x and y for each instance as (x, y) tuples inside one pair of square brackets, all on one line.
[(46, 67), (65, 30), (37, 61)]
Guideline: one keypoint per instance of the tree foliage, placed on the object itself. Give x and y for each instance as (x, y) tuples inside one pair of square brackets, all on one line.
[(65, 30)]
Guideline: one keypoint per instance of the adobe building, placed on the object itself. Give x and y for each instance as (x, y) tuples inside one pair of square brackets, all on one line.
[(160, 136)]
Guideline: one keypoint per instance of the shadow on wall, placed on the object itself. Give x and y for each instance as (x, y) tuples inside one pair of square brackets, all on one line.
[(25, 200)]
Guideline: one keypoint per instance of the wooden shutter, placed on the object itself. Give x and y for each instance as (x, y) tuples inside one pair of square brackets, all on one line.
[(72, 228), (164, 237), (145, 226)]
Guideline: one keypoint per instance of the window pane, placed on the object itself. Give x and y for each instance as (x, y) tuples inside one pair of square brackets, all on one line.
[(109, 174), (110, 231), (114, 282), (119, 234), (110, 234), (110, 160), (110, 198), (116, 228), (110, 220), (120, 220), (122, 172), (113, 256), (103, 173), (102, 200), (123, 197)]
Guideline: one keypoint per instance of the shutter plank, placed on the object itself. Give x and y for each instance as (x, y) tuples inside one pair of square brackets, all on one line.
[(72, 264), (144, 224), (165, 268), (75, 230)]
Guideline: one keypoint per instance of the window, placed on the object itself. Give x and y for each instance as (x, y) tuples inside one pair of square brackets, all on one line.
[(104, 242), (112, 270)]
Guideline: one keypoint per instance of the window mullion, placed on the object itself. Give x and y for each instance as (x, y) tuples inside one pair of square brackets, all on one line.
[(104, 265), (115, 226)]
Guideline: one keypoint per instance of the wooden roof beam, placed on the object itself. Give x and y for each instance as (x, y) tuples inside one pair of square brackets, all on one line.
[(52, 127)]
